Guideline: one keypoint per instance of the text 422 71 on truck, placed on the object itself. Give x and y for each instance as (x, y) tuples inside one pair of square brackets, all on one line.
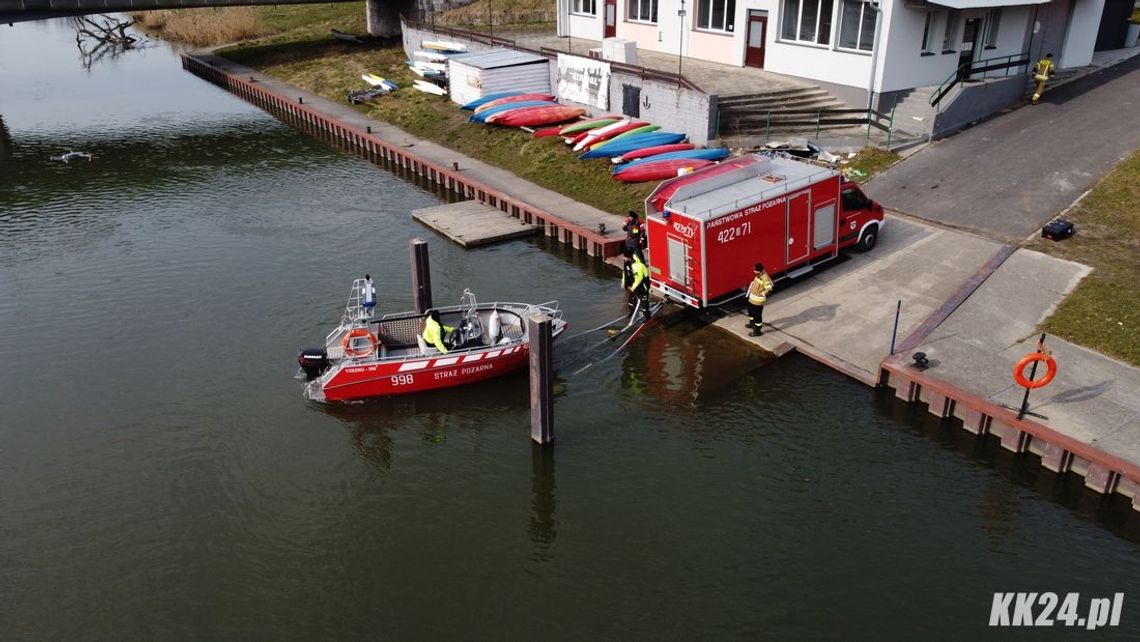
[(709, 228)]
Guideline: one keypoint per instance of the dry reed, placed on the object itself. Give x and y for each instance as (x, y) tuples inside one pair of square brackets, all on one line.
[(204, 27)]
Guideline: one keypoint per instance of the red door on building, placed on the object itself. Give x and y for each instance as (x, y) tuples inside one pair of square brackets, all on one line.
[(611, 18), (757, 32)]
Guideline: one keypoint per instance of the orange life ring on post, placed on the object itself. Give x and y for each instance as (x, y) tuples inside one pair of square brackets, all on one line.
[(349, 341), (1050, 370)]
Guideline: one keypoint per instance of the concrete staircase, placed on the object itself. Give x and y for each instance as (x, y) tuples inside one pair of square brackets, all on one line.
[(746, 114), (913, 113)]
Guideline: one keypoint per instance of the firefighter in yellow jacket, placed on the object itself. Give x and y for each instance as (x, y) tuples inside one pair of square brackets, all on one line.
[(1041, 72), (757, 296)]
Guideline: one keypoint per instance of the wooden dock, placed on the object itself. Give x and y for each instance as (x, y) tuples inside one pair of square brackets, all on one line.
[(473, 223)]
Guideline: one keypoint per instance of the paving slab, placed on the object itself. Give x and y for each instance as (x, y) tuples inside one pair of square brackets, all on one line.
[(472, 223), (1094, 399), (1008, 176), (844, 314)]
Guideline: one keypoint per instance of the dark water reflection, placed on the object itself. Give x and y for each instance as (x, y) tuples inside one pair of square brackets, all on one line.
[(161, 477)]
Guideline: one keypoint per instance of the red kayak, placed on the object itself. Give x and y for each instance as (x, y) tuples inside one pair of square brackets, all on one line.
[(512, 99), (660, 170), (576, 138), (536, 116), (546, 131), (645, 152)]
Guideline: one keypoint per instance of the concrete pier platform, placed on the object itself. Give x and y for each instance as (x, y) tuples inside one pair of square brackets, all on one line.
[(471, 223), (844, 314)]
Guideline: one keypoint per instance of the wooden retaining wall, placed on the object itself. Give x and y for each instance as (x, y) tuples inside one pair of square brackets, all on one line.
[(592, 242)]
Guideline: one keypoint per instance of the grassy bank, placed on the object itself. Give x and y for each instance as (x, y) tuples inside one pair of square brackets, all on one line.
[(869, 162), (1103, 313), (301, 53)]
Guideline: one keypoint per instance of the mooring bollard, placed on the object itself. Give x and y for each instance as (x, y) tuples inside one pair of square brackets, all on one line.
[(541, 341), (421, 275), (301, 100)]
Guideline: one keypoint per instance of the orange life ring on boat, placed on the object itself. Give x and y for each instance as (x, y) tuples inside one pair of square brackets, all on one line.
[(1050, 370), (349, 340)]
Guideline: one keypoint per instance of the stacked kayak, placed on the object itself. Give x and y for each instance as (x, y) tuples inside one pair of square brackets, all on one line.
[(379, 81), (657, 170), (650, 151), (482, 100), (626, 145), (512, 99), (482, 116), (711, 153), (537, 116)]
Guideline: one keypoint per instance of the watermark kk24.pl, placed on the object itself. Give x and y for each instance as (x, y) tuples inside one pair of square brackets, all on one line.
[(1041, 609)]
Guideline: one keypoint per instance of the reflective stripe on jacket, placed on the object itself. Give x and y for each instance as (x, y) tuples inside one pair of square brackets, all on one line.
[(759, 289), (1044, 68)]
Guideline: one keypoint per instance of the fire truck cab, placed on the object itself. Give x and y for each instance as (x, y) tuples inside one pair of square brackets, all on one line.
[(706, 230)]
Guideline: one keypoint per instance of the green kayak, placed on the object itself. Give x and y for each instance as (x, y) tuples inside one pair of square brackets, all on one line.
[(585, 125)]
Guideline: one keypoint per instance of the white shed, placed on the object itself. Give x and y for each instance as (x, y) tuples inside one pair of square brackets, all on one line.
[(474, 75)]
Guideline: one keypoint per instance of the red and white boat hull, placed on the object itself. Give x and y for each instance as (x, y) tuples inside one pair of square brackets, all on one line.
[(349, 381)]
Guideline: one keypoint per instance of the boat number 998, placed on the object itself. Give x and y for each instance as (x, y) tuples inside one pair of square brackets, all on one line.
[(402, 380), (731, 233)]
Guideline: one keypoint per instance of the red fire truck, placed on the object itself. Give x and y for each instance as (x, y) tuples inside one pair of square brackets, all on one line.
[(709, 228)]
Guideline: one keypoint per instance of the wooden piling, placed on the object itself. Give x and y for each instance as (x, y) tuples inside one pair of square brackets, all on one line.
[(421, 275), (541, 341)]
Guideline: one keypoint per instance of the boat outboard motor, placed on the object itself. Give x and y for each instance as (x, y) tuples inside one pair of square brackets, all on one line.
[(314, 361)]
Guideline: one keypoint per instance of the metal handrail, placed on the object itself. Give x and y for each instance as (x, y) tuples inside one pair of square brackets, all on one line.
[(644, 73), (967, 69)]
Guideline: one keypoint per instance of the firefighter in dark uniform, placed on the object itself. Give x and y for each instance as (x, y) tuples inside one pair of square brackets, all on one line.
[(635, 239), (1042, 72), (757, 296), (635, 279)]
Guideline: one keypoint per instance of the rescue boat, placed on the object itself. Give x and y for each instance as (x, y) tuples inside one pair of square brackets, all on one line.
[(365, 357)]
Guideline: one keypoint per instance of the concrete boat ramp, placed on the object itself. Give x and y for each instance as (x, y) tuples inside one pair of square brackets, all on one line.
[(972, 305), (472, 223)]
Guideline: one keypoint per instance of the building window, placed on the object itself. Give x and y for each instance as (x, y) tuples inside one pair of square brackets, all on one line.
[(928, 32), (643, 10), (951, 31), (589, 7), (857, 27), (717, 15), (993, 21), (807, 21)]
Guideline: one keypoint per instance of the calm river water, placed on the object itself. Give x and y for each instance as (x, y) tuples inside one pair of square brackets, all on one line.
[(162, 478)]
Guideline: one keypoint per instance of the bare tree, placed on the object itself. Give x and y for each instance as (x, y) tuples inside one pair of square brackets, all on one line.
[(100, 36)]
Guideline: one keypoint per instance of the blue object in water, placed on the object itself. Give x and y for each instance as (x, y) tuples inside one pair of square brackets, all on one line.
[(488, 98), (481, 117), (629, 144), (711, 153)]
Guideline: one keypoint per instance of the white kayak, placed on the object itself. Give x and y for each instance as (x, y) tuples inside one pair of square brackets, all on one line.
[(444, 46), (430, 56), (429, 87)]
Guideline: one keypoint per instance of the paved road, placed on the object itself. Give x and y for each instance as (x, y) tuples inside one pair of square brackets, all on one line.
[(1008, 176)]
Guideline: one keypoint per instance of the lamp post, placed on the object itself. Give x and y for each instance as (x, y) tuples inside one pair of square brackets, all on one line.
[(491, 23), (680, 39)]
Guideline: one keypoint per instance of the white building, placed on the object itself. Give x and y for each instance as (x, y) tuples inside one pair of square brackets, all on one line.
[(910, 43)]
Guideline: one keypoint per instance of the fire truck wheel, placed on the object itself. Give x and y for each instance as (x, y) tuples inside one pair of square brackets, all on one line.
[(869, 238)]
